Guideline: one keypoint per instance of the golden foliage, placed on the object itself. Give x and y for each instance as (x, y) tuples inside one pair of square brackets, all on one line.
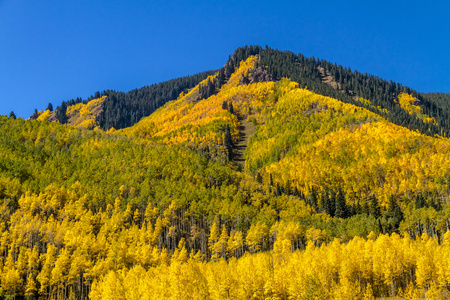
[(44, 116), (389, 266), (83, 115), (190, 121), (113, 218), (409, 103)]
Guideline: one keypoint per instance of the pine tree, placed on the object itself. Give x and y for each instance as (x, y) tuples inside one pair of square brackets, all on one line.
[(220, 78), (228, 141), (324, 202), (313, 199), (225, 105), (375, 209), (420, 201), (341, 207), (61, 113), (393, 215), (230, 108), (332, 203)]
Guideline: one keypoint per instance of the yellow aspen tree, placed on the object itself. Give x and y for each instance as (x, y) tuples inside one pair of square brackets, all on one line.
[(31, 287), (212, 240), (151, 213), (230, 243), (426, 270), (222, 243), (368, 293), (11, 281), (156, 240), (128, 216), (256, 236), (133, 283), (109, 287), (180, 254), (59, 272), (22, 261), (33, 261), (45, 274)]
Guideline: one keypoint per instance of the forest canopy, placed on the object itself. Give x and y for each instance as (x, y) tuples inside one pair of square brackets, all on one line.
[(258, 180)]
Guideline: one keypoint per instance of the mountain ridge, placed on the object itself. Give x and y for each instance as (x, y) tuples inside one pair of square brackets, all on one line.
[(320, 76), (167, 208)]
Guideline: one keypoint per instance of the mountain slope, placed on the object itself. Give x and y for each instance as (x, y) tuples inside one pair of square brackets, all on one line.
[(165, 208), (122, 110), (118, 109), (311, 142), (349, 85), (202, 123), (307, 143), (81, 115)]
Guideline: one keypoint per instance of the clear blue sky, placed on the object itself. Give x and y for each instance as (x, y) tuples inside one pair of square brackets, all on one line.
[(58, 50)]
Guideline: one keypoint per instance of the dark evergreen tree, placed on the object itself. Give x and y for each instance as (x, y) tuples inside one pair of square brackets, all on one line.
[(228, 141), (61, 113), (341, 206), (50, 107), (366, 208), (35, 115), (220, 78), (420, 201), (356, 209), (230, 108), (331, 203), (312, 201), (375, 209), (393, 215), (436, 204), (325, 203), (12, 115), (259, 178)]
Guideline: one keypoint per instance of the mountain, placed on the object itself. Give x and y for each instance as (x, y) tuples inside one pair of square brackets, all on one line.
[(320, 76), (273, 177), (82, 114), (118, 109)]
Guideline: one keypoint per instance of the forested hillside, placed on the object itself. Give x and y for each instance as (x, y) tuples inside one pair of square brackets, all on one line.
[(333, 199), (120, 109), (325, 78), (125, 109)]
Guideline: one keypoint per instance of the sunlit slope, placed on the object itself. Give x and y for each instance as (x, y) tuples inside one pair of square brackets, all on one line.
[(159, 210), (195, 121), (39, 155), (311, 142), (307, 142), (84, 115), (411, 105), (300, 117), (81, 115)]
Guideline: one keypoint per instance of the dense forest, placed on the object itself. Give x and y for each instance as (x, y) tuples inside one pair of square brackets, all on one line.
[(332, 199), (121, 109), (347, 85)]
